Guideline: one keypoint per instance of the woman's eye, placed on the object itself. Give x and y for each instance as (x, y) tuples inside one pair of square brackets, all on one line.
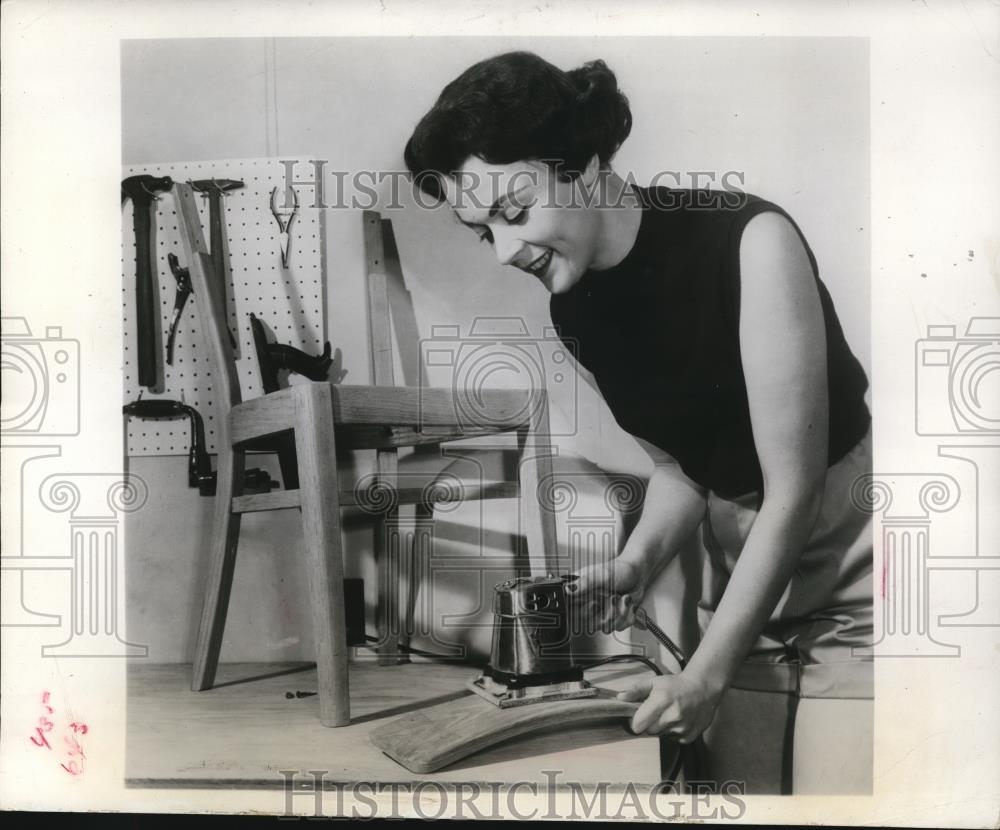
[(517, 218), (485, 235)]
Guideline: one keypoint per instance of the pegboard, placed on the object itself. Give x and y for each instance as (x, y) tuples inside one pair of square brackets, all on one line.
[(290, 301)]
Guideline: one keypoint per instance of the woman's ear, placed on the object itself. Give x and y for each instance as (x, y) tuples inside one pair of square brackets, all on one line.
[(589, 175)]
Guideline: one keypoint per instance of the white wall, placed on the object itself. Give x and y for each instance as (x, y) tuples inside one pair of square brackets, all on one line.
[(791, 113)]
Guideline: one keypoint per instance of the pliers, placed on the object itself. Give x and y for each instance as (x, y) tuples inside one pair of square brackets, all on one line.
[(284, 219), (184, 290)]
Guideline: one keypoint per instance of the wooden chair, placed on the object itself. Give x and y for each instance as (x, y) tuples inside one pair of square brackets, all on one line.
[(482, 473), (324, 418)]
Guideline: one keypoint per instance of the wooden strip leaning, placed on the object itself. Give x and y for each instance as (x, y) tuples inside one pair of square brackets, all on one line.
[(229, 475), (535, 473)]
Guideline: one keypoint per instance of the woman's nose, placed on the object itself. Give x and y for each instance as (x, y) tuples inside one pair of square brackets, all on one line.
[(506, 245)]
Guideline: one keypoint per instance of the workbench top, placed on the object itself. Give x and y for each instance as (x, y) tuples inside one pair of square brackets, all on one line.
[(245, 731)]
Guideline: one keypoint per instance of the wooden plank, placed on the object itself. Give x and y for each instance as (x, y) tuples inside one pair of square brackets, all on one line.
[(379, 331), (225, 539), (276, 500), (429, 739), (442, 434), (262, 416), (316, 451), (404, 321), (379, 321), (404, 406), (386, 460), (284, 499), (536, 477), (203, 280), (418, 495), (370, 437), (245, 730), (411, 576), (229, 474), (387, 557)]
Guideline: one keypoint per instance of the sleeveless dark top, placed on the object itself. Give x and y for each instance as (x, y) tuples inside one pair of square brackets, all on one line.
[(660, 333)]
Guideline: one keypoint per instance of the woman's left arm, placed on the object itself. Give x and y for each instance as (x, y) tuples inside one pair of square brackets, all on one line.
[(783, 347)]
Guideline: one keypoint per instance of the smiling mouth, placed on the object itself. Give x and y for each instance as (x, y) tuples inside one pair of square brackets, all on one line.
[(539, 266)]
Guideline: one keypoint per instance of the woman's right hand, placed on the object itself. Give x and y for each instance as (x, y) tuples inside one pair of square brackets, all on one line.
[(609, 592)]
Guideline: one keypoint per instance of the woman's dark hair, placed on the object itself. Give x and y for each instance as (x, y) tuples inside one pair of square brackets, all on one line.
[(515, 107)]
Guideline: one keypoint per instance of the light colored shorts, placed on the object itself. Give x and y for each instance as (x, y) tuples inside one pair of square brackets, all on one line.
[(823, 622)]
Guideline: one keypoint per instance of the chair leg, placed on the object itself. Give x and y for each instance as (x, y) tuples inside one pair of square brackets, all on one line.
[(389, 538), (222, 564), (415, 552), (390, 542), (316, 451), (535, 476)]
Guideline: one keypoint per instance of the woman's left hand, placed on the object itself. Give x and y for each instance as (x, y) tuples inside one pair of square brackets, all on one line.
[(676, 705)]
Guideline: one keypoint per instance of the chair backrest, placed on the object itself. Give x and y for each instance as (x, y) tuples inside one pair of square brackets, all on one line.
[(222, 359), (390, 307)]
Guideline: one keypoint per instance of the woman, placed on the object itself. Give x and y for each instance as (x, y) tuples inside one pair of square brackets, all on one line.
[(701, 318)]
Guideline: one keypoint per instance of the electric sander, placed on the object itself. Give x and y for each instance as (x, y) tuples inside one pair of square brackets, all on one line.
[(531, 662), (530, 657)]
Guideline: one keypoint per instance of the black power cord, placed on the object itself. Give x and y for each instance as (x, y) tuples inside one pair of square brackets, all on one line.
[(625, 658), (418, 652), (692, 758)]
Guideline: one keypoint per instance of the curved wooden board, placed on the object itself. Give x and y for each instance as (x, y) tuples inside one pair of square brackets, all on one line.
[(429, 739)]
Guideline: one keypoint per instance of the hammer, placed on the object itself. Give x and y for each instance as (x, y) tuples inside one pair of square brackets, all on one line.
[(142, 191), (215, 188)]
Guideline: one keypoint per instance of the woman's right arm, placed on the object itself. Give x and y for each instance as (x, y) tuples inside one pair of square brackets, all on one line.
[(673, 508), (671, 512)]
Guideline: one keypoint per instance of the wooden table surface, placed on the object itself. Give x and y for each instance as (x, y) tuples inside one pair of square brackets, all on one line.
[(245, 731)]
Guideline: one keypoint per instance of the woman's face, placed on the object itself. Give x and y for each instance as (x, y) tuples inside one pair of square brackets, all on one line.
[(533, 220)]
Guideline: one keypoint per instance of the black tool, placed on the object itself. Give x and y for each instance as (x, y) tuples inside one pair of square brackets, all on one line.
[(273, 357), (184, 290), (142, 191), (200, 472), (215, 189)]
